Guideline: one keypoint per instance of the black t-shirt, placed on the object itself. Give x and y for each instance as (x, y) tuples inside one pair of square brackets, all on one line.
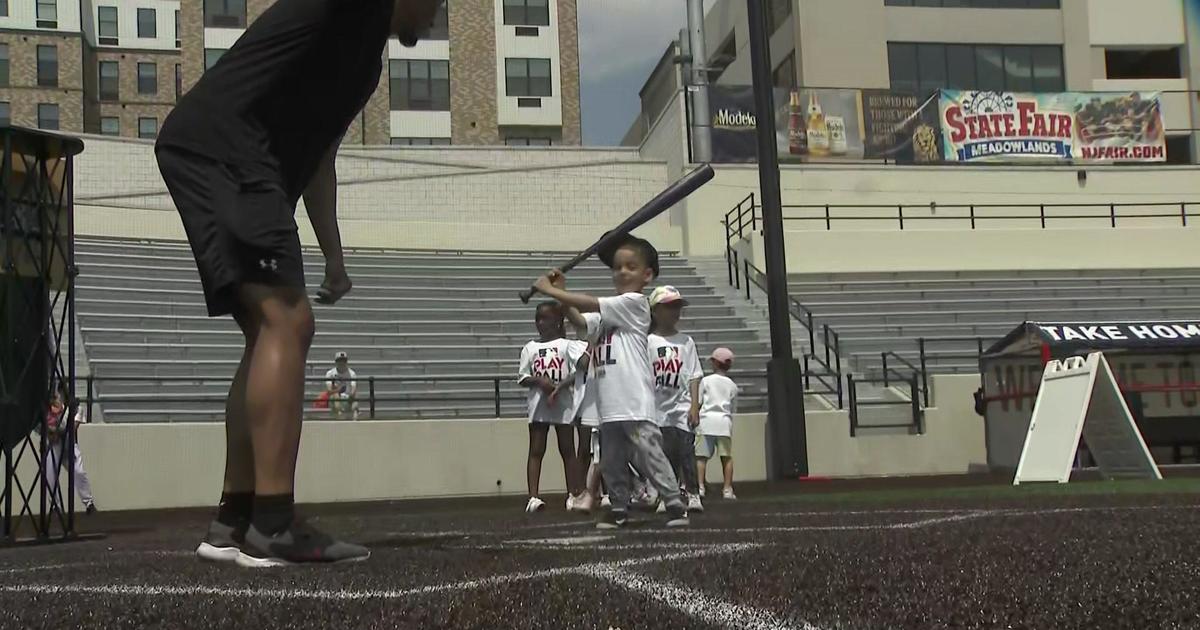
[(276, 102)]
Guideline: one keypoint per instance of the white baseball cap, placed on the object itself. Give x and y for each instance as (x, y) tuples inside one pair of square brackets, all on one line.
[(340, 356), (666, 294)]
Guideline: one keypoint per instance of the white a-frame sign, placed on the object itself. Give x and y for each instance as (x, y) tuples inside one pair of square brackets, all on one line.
[(1080, 398)]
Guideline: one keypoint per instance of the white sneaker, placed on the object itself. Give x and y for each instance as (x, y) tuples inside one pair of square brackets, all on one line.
[(605, 502), (535, 505), (702, 491), (662, 508), (694, 504), (570, 503), (728, 494), (584, 503)]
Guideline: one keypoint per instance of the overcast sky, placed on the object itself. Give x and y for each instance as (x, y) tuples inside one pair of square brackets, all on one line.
[(619, 43)]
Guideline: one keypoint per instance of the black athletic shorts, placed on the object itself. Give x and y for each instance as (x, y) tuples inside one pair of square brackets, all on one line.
[(241, 228)]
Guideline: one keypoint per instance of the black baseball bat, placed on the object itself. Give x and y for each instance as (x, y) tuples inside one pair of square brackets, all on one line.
[(660, 203)]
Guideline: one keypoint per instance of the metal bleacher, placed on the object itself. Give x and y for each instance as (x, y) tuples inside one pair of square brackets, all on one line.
[(448, 323), (956, 312)]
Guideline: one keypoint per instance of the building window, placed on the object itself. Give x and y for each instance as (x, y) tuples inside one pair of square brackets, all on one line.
[(926, 68), (147, 78), (147, 23), (106, 19), (110, 84), (4, 9), (211, 56), (421, 142), (527, 77), (178, 82), (5, 113), (976, 4), (419, 85), (47, 114), (778, 11), (527, 142), (178, 39), (527, 12), (3, 65), (440, 30), (147, 128), (47, 66), (47, 13), (1141, 63), (110, 126), (785, 75), (225, 13)]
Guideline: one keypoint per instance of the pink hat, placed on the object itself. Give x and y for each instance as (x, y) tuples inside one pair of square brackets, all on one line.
[(722, 355), (666, 294)]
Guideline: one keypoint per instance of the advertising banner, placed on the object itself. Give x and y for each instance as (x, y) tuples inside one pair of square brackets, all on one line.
[(901, 127), (1066, 126), (814, 125)]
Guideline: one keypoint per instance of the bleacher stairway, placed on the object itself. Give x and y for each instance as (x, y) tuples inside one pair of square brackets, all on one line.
[(413, 314)]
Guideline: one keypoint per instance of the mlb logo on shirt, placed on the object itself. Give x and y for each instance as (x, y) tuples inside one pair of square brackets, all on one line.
[(542, 352), (662, 352)]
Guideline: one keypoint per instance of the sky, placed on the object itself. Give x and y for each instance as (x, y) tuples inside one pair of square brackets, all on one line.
[(619, 43)]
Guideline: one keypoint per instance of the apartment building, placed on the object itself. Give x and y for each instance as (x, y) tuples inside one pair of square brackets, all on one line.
[(1003, 45), (491, 72)]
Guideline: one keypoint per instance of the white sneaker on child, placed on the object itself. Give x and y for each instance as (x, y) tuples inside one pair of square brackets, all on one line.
[(535, 505), (728, 494), (570, 503), (662, 507), (701, 491), (694, 504), (605, 502)]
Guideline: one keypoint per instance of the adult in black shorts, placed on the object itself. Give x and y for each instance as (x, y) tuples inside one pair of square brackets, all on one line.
[(258, 132)]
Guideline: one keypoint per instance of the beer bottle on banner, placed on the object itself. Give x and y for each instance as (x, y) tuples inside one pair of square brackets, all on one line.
[(797, 129), (818, 131)]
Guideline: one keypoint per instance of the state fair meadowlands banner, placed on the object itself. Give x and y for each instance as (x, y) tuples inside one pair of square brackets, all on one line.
[(1065, 126)]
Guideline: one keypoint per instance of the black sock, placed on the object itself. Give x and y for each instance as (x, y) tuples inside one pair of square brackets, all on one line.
[(235, 508), (272, 513)]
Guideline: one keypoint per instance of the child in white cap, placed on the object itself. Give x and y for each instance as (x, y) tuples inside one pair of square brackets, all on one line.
[(677, 374), (718, 403)]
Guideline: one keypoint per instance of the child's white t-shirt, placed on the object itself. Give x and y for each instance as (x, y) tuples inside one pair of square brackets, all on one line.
[(554, 360), (583, 392), (718, 403), (623, 376), (676, 364)]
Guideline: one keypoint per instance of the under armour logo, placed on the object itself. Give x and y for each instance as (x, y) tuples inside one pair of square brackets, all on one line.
[(268, 263)]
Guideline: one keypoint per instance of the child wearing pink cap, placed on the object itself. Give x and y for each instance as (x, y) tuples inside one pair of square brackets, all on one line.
[(718, 403)]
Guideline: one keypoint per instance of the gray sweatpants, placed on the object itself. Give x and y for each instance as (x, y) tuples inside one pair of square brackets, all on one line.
[(640, 444), (680, 449)]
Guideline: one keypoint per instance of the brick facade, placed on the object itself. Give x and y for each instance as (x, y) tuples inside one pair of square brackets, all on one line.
[(568, 50), (130, 104), (473, 106), (23, 93)]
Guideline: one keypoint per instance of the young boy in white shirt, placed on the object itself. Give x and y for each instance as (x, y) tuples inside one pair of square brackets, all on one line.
[(547, 362), (677, 374), (624, 379), (718, 403)]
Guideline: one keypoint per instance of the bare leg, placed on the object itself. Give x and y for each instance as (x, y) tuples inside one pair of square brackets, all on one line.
[(566, 449), (537, 450), (727, 468), (701, 469), (583, 455), (274, 383), (239, 451)]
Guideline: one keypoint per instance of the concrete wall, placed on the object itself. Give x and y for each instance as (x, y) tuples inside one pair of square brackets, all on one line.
[(861, 184), (137, 466), (511, 198), (1145, 22)]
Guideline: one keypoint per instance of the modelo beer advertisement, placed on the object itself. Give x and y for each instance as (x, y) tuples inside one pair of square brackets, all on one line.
[(811, 125), (1068, 126), (828, 125)]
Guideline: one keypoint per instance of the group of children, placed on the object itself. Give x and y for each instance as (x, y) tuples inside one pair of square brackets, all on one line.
[(632, 387)]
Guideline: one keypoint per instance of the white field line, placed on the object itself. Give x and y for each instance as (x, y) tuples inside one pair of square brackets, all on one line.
[(695, 603), (142, 590)]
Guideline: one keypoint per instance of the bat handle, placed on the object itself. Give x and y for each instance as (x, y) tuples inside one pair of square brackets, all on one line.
[(527, 294)]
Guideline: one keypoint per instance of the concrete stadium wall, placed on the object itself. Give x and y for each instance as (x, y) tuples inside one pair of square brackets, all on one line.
[(880, 245), (512, 198), (139, 466)]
